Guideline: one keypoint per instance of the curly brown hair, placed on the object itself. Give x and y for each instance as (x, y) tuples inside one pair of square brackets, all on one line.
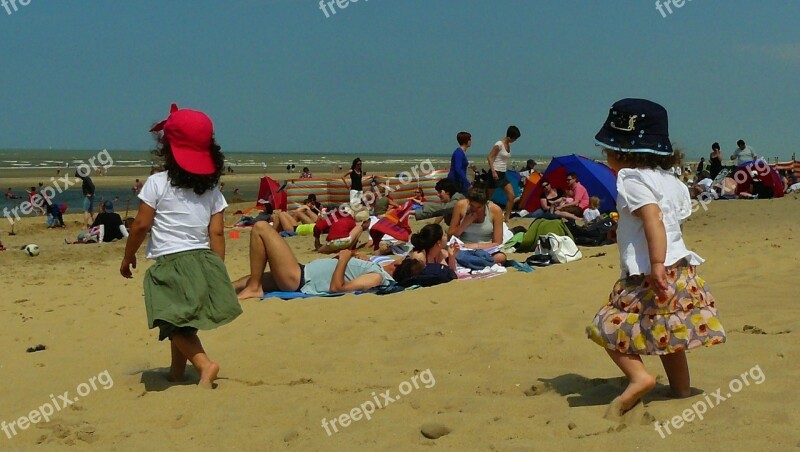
[(647, 159), (181, 178)]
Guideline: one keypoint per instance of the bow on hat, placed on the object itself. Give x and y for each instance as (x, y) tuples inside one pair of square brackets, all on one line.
[(160, 126)]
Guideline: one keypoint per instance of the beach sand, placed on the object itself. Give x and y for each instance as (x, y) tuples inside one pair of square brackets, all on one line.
[(513, 369)]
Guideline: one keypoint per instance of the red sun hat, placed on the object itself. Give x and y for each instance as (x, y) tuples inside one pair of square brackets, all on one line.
[(189, 134)]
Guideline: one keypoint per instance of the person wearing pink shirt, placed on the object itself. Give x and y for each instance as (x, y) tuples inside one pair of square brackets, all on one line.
[(573, 209)]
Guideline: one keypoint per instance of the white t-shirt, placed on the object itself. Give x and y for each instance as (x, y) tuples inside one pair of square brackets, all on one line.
[(501, 159), (182, 216), (590, 215), (637, 188)]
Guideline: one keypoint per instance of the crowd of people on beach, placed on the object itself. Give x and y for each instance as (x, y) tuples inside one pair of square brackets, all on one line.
[(659, 306)]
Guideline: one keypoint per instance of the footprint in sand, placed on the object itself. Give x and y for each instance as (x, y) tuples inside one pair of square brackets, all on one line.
[(434, 430), (535, 390), (752, 329)]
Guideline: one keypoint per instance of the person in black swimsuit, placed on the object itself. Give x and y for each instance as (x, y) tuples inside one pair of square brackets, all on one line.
[(715, 161), (356, 187)]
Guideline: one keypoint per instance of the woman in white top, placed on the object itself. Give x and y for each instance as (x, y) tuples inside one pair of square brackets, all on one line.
[(498, 162)]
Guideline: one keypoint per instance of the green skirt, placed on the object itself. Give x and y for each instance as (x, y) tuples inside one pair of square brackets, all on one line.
[(190, 289)]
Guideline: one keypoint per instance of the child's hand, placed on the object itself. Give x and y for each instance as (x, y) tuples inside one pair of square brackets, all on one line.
[(125, 267), (658, 279)]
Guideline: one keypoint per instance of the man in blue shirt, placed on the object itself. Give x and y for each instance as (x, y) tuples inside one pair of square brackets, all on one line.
[(459, 162)]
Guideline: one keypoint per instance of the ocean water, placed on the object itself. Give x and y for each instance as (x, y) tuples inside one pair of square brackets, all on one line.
[(11, 161)]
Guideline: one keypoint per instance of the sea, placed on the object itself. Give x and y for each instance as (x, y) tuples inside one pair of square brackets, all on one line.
[(22, 163)]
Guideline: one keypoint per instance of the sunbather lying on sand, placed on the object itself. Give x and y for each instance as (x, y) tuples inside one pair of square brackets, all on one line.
[(343, 274)]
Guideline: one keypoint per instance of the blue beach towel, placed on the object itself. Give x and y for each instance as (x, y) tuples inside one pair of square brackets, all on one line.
[(384, 290), (294, 295)]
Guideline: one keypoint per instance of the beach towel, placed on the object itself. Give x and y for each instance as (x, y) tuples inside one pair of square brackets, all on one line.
[(521, 266), (293, 295), (487, 272), (394, 224), (541, 227), (383, 290)]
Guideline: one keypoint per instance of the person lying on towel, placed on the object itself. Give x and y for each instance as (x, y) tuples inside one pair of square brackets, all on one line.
[(346, 273)]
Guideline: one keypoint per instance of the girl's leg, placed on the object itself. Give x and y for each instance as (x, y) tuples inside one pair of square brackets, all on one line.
[(639, 381), (509, 191), (267, 246), (191, 348), (177, 368), (677, 369)]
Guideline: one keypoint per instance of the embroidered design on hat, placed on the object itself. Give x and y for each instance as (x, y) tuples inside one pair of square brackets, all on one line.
[(631, 123)]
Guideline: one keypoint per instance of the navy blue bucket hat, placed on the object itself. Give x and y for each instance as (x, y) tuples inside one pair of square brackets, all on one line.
[(636, 125)]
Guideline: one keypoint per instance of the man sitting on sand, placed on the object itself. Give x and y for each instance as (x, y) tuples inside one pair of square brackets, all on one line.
[(449, 195), (343, 274), (309, 212)]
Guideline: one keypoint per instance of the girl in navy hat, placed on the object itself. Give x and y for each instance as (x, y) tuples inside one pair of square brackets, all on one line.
[(188, 287), (659, 306)]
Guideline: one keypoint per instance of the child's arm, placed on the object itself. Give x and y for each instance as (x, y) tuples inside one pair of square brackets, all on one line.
[(142, 224), (216, 234), (656, 236)]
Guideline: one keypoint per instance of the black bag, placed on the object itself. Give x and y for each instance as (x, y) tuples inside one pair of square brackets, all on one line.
[(432, 275), (593, 234)]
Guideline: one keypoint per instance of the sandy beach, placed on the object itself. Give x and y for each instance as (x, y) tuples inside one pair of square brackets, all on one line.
[(504, 361)]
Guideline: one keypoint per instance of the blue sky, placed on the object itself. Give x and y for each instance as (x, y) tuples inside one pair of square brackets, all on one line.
[(398, 76)]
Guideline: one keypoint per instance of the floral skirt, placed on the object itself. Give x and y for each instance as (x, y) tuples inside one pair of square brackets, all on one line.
[(635, 321)]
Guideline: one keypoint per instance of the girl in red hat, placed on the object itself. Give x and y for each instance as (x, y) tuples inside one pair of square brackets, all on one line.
[(188, 288)]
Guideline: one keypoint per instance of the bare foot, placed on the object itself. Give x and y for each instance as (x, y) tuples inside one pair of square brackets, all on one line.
[(173, 378), (250, 293), (680, 393), (635, 391), (208, 375)]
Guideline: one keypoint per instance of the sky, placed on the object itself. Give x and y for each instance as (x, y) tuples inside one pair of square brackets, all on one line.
[(398, 76)]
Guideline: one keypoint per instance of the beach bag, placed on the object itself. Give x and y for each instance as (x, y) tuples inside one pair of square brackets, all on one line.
[(562, 249), (593, 234), (432, 275)]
